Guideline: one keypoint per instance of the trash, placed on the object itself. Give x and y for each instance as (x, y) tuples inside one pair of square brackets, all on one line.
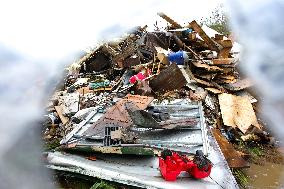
[(171, 164), (238, 112), (152, 92), (232, 156), (168, 79), (179, 57), (59, 111)]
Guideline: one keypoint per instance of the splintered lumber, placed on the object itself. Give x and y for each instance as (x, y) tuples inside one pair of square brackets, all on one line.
[(206, 66), (227, 46), (169, 79), (59, 110), (237, 112), (239, 85), (224, 61), (203, 82), (169, 20), (233, 157), (211, 44), (213, 90)]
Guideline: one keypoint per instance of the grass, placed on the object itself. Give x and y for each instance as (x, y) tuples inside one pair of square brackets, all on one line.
[(241, 177), (102, 185), (50, 145)]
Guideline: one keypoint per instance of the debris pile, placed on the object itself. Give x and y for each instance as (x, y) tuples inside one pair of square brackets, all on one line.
[(154, 91)]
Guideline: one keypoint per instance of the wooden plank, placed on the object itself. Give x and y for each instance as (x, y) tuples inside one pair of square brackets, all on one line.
[(212, 45), (227, 46), (233, 157), (206, 66), (237, 112), (169, 20), (221, 61), (213, 90), (168, 79), (59, 110), (239, 85)]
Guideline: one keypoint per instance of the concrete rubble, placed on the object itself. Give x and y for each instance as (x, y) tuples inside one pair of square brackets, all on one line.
[(175, 89)]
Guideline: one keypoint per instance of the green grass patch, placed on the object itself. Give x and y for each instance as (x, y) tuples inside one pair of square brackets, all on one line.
[(241, 177)]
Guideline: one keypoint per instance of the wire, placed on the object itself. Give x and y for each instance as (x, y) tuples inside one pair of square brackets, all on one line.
[(216, 182)]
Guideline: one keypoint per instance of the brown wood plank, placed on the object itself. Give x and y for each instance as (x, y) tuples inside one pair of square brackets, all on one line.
[(204, 36), (232, 156), (169, 20), (63, 119), (223, 61), (168, 79)]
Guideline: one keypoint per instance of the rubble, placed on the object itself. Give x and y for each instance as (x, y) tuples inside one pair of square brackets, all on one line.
[(152, 91)]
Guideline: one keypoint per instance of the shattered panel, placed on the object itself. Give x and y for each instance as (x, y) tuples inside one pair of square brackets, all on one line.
[(169, 79), (117, 115), (156, 39), (237, 112), (239, 85), (212, 45)]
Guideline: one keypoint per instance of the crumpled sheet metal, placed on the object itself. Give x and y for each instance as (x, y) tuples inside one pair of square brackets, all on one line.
[(117, 115), (143, 172)]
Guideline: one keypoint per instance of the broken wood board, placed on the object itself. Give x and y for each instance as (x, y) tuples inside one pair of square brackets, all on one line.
[(206, 83), (59, 110), (84, 90), (206, 66), (213, 90), (227, 46), (221, 79), (169, 20), (237, 112), (221, 61), (233, 157), (162, 55), (210, 42), (239, 85), (168, 79)]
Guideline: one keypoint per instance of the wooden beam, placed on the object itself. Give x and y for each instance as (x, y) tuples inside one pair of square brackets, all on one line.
[(212, 45), (169, 20), (233, 157)]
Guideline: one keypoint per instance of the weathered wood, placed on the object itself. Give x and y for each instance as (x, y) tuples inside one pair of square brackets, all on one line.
[(232, 156), (237, 112), (224, 61), (227, 46), (169, 20), (203, 82), (59, 110), (239, 85), (169, 79), (212, 45), (206, 66)]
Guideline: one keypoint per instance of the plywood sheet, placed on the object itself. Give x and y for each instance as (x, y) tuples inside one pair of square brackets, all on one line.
[(237, 112), (59, 110)]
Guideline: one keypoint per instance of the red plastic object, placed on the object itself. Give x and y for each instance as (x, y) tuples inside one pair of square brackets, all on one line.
[(138, 77), (172, 165)]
